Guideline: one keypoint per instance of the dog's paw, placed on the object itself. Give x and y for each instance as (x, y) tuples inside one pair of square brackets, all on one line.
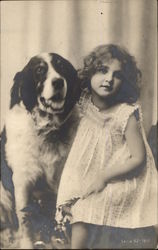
[(25, 243), (39, 245)]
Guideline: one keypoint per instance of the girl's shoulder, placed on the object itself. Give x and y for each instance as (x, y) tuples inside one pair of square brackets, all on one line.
[(127, 109)]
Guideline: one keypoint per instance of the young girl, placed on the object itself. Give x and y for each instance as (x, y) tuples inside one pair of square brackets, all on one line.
[(109, 177)]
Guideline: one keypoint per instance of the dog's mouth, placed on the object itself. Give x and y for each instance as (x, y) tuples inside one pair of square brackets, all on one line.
[(54, 105)]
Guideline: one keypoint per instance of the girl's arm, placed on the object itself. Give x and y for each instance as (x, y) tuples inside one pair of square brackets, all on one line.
[(137, 150)]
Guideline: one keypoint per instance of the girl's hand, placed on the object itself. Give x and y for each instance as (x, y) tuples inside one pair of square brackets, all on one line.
[(96, 186)]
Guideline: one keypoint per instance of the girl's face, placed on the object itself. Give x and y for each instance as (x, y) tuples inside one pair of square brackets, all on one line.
[(108, 78)]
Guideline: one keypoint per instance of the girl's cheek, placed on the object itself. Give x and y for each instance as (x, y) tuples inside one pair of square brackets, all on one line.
[(96, 79)]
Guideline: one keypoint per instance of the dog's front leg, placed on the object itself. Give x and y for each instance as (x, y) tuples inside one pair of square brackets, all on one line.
[(21, 199)]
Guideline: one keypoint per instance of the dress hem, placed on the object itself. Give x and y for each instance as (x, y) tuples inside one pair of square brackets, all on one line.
[(110, 225)]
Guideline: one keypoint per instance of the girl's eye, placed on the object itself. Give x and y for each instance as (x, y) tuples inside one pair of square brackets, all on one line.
[(40, 70), (103, 70), (118, 74)]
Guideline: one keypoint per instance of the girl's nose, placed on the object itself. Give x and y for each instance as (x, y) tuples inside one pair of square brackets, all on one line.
[(108, 77)]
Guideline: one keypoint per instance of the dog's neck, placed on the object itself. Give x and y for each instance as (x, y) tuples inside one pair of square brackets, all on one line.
[(44, 121)]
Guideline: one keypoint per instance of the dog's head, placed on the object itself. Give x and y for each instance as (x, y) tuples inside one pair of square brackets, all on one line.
[(48, 82)]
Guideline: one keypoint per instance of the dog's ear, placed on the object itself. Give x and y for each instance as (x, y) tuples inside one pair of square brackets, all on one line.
[(24, 89), (15, 96)]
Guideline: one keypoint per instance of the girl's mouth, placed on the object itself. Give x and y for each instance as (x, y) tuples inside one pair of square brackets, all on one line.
[(107, 87)]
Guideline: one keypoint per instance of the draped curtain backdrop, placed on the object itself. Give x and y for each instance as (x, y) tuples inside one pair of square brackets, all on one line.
[(72, 28)]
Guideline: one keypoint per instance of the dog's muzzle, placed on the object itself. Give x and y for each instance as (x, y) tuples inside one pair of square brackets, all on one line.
[(56, 104), (52, 98)]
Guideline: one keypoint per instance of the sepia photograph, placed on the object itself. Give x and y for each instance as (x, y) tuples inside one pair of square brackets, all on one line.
[(79, 123)]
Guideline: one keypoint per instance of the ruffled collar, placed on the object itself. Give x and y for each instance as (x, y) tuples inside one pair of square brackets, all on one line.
[(101, 118), (109, 111)]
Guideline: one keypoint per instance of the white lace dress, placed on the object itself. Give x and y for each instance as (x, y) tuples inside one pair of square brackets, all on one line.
[(100, 142)]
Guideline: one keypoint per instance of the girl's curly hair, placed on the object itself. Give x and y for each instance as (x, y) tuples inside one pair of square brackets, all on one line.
[(131, 76)]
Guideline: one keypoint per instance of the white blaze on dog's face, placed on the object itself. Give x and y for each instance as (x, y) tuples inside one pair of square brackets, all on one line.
[(53, 86)]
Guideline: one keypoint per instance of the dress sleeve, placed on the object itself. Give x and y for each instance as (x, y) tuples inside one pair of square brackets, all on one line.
[(126, 113)]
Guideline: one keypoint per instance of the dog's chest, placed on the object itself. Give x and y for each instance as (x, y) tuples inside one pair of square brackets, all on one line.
[(34, 153)]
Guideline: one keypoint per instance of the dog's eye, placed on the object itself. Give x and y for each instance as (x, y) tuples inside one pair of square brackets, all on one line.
[(40, 70)]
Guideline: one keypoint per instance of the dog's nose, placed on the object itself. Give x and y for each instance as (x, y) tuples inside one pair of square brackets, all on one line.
[(58, 83)]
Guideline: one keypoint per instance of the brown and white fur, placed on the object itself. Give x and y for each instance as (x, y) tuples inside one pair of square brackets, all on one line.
[(38, 132)]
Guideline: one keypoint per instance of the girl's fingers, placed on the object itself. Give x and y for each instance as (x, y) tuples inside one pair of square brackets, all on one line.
[(91, 192), (87, 194)]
